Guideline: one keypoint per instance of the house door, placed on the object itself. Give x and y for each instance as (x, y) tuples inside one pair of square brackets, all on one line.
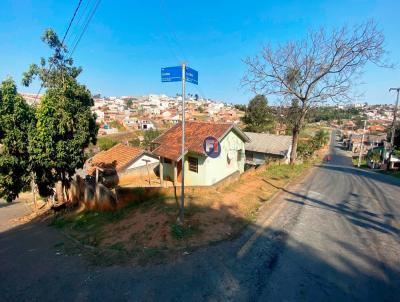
[(179, 171)]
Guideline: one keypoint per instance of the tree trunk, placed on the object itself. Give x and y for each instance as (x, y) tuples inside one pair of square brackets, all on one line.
[(296, 133), (295, 139)]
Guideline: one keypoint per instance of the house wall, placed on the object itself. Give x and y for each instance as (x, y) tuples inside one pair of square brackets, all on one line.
[(139, 162), (212, 170), (140, 171), (193, 178), (260, 158), (168, 171)]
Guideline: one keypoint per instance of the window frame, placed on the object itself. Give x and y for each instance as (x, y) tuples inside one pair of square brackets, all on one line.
[(193, 166)]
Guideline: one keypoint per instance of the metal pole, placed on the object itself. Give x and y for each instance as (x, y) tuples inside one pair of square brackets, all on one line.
[(393, 126), (362, 144), (181, 212)]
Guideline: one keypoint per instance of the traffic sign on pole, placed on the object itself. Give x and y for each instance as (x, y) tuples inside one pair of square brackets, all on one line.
[(191, 75), (174, 74), (181, 74), (171, 74)]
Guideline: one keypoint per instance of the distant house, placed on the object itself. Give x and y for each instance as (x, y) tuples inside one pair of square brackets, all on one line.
[(377, 128), (121, 160), (200, 169), (146, 125), (265, 147)]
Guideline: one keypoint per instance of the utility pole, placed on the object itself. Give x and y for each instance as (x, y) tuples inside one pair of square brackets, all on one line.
[(362, 144), (393, 125), (181, 212)]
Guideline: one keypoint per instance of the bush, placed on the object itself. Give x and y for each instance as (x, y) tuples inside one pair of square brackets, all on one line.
[(305, 149)]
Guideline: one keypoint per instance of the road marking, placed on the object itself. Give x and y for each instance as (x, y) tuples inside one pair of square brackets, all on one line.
[(248, 244)]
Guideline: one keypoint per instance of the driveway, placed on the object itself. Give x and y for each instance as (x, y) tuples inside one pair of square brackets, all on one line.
[(332, 237)]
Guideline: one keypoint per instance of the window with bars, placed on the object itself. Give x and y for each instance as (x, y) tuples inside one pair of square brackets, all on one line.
[(193, 164)]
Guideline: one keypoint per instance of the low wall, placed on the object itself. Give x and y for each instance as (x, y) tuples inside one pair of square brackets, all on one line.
[(136, 194), (140, 171)]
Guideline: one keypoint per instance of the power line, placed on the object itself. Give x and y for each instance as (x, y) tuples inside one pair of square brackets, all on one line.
[(62, 42), (70, 22), (89, 18), (78, 22)]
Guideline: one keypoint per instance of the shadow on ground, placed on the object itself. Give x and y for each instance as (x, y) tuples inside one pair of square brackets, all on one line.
[(35, 265)]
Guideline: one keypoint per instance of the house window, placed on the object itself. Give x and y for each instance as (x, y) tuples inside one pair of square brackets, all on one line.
[(193, 164), (167, 161)]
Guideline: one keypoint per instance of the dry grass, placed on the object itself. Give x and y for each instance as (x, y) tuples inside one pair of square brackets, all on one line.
[(147, 227)]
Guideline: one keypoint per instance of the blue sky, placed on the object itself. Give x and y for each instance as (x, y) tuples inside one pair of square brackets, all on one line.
[(128, 42)]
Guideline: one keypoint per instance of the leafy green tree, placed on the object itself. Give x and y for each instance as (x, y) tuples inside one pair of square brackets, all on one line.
[(65, 126), (200, 109), (258, 117), (129, 103), (16, 119), (149, 136)]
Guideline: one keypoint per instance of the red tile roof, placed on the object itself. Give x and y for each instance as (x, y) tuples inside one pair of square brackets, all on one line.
[(116, 158), (170, 143)]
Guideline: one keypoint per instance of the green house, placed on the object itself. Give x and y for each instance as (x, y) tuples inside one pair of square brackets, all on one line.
[(200, 169)]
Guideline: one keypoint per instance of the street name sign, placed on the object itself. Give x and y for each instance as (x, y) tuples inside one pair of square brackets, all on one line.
[(174, 74), (171, 74)]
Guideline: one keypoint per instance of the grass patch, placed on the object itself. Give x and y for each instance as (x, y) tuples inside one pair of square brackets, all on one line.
[(181, 231), (363, 163), (285, 172)]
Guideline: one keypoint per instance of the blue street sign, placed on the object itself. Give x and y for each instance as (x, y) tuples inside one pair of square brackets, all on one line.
[(212, 147), (171, 74), (174, 74), (191, 75)]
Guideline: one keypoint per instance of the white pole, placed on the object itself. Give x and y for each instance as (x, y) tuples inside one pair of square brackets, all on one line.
[(181, 212), (393, 126), (362, 144)]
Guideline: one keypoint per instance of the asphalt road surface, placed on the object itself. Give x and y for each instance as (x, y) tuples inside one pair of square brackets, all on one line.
[(332, 237)]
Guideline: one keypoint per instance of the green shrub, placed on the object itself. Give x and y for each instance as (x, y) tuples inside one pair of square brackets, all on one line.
[(105, 143)]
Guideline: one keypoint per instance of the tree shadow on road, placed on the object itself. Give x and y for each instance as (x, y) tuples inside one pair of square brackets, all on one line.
[(275, 266)]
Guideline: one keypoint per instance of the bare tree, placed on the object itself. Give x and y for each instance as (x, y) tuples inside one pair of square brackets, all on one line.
[(322, 67)]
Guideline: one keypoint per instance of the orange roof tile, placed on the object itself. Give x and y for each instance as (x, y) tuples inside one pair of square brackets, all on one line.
[(170, 142), (116, 158)]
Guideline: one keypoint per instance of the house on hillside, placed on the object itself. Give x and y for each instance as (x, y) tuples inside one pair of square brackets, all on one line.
[(200, 169), (121, 160), (265, 147)]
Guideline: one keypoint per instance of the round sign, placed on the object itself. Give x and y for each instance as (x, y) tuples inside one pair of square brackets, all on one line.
[(212, 147)]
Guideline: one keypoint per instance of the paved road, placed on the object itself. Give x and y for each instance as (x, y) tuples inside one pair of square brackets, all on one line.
[(11, 211), (332, 237)]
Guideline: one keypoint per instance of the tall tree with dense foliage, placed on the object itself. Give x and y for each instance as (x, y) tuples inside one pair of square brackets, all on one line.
[(320, 68), (258, 117), (16, 120), (65, 125)]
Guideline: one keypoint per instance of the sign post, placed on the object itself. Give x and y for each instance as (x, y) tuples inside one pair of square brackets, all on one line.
[(175, 74), (181, 212)]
